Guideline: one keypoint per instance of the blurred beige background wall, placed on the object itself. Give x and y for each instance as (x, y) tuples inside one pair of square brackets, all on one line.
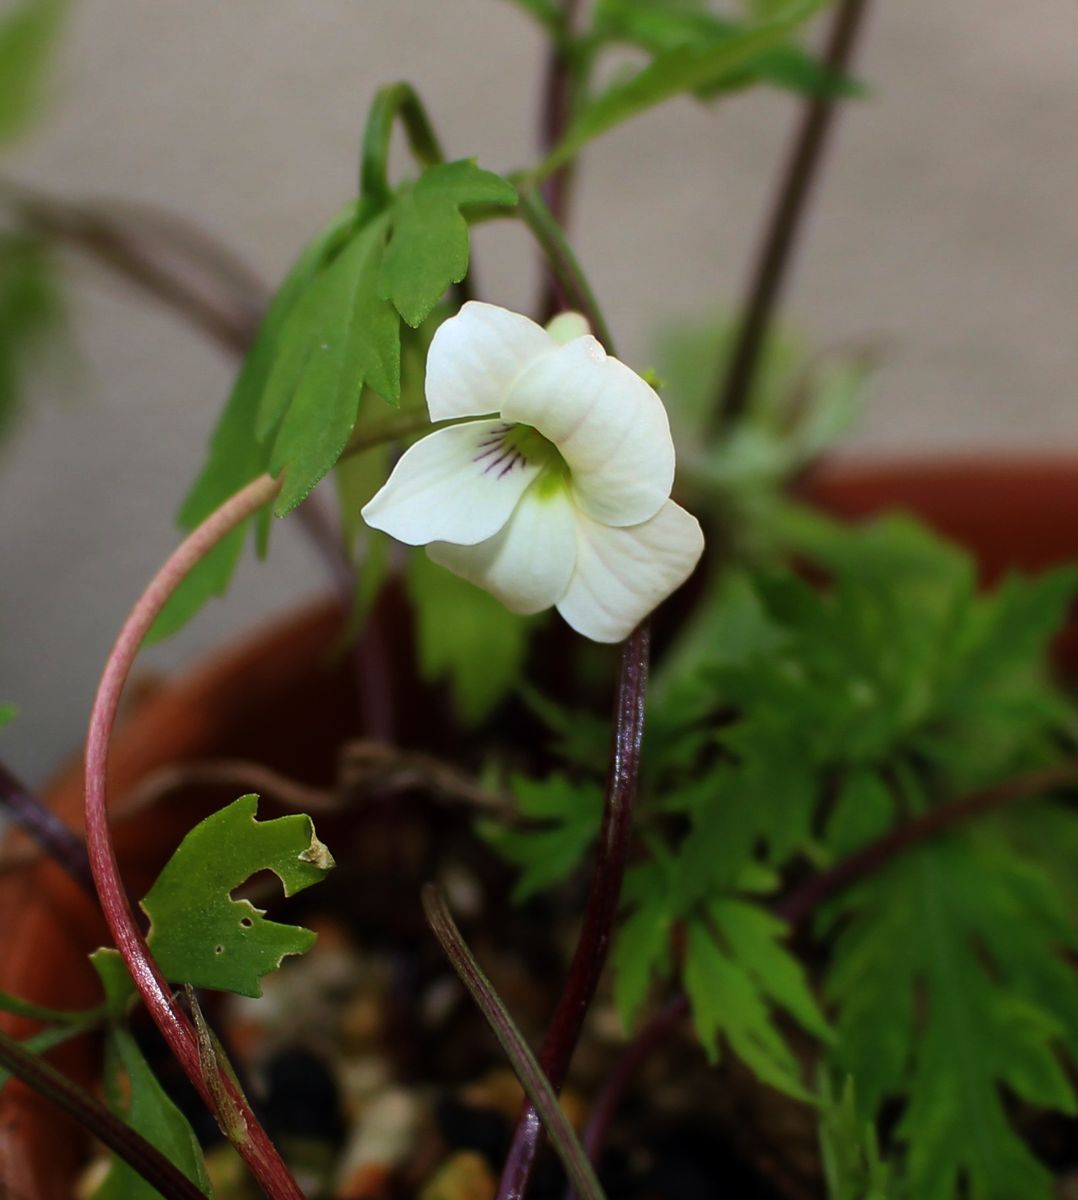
[(945, 232)]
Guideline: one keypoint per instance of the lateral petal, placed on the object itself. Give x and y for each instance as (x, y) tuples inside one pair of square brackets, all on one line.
[(528, 563), (609, 425), (475, 356), (455, 485), (622, 573)]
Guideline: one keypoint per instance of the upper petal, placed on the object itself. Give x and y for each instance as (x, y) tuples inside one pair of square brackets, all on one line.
[(476, 355), (528, 564), (623, 573), (609, 425), (455, 485)]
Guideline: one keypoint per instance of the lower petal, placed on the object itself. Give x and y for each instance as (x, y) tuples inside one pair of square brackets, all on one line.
[(455, 485), (528, 565), (623, 572)]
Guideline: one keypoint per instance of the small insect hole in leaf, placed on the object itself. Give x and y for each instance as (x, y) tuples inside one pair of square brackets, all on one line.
[(218, 949), (263, 887), (246, 922)]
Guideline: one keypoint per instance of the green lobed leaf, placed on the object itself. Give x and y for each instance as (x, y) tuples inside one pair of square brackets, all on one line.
[(199, 933), (729, 1000), (939, 975), (683, 69), (237, 454), (428, 247), (28, 34), (641, 949), (465, 638), (660, 28), (343, 338), (568, 814)]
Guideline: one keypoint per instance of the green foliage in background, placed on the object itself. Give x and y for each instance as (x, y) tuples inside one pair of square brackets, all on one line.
[(853, 1169), (807, 721), (464, 637), (710, 61), (31, 315), (28, 33)]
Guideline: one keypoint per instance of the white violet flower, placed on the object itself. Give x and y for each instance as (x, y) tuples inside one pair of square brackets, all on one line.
[(556, 491)]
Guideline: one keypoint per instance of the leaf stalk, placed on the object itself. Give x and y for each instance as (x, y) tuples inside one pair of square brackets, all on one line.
[(254, 1144), (786, 220)]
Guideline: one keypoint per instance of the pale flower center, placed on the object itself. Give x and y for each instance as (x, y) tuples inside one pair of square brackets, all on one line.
[(508, 447)]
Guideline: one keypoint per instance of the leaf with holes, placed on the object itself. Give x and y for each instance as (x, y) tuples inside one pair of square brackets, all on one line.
[(428, 248), (199, 932)]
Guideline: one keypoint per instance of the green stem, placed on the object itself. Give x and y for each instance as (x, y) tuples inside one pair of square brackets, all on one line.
[(401, 425), (563, 262), (393, 101), (38, 1012), (527, 1068)]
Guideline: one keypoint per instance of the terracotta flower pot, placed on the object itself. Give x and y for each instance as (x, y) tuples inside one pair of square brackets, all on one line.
[(281, 699)]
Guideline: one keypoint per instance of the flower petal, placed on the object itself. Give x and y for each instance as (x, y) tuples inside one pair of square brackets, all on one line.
[(623, 573), (609, 425), (476, 355), (456, 485), (527, 565)]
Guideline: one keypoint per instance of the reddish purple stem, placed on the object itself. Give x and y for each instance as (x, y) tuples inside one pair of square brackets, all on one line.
[(787, 218), (61, 844), (591, 950), (557, 110), (252, 1141)]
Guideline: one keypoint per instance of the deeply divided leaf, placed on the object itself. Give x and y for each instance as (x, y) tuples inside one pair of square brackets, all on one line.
[(950, 986), (660, 28), (564, 816), (199, 932), (685, 68)]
